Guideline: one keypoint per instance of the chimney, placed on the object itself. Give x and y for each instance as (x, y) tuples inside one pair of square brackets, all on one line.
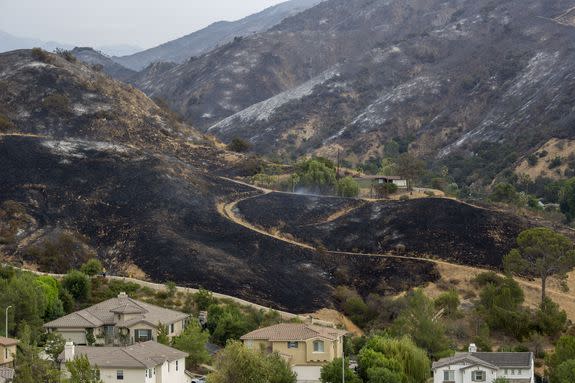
[(69, 351), (122, 295), (472, 347)]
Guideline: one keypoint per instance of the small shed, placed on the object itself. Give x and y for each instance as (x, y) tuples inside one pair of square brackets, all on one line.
[(376, 180)]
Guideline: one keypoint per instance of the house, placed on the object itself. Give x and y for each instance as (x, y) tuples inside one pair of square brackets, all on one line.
[(7, 351), (118, 321), (473, 366), (305, 347), (147, 362), (6, 374)]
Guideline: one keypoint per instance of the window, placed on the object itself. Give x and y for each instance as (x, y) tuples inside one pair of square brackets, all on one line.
[(478, 376), (150, 373), (6, 353), (172, 328), (449, 376), (518, 372), (176, 365), (318, 346), (512, 372), (292, 345), (506, 372), (143, 335), (120, 375)]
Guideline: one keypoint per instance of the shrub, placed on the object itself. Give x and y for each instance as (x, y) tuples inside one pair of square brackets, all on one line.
[(448, 301), (57, 103), (239, 145), (78, 284), (532, 160), (404, 198), (40, 54), (66, 54), (92, 267), (5, 123), (383, 190), (347, 187), (555, 162)]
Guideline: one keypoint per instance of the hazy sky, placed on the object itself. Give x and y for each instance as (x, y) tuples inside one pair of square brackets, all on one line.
[(145, 23)]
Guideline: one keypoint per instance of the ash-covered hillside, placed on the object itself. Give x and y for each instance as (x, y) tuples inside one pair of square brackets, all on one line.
[(453, 80), (216, 34), (91, 166)]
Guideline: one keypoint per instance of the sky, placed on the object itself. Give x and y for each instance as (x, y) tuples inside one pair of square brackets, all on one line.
[(144, 23)]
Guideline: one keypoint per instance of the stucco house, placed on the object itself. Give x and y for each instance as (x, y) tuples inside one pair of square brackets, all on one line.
[(473, 366), (7, 351), (306, 347), (147, 362), (118, 321)]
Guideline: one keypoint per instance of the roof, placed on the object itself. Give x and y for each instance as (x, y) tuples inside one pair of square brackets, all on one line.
[(488, 359), (293, 332), (379, 177), (140, 355), (8, 341), (104, 313), (6, 373)]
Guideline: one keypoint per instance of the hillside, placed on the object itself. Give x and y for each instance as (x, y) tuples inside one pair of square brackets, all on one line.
[(452, 80), (220, 33), (105, 63), (108, 172)]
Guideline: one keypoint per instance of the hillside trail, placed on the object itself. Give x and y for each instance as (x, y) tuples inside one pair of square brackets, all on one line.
[(227, 211)]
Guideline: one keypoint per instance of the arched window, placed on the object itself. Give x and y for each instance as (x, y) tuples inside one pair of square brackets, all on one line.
[(318, 346)]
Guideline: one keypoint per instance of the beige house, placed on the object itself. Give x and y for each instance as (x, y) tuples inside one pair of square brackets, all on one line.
[(306, 347), (147, 362), (7, 351), (118, 321)]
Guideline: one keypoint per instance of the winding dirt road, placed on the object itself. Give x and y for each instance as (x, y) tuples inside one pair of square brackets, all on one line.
[(227, 211)]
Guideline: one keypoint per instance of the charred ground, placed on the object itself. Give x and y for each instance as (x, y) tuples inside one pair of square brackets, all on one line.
[(431, 227)]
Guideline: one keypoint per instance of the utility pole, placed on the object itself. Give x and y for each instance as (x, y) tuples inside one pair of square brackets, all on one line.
[(6, 317)]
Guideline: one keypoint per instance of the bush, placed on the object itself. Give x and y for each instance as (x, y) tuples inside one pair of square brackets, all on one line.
[(555, 162), (449, 302), (347, 187), (532, 160), (383, 190), (92, 267), (66, 54), (40, 55), (550, 319), (504, 192), (56, 103), (239, 145), (404, 198), (5, 123)]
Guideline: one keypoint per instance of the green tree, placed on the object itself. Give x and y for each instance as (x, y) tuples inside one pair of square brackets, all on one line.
[(420, 321), (347, 187), (385, 359), (162, 336), (449, 302), (30, 367), (333, 372), (171, 289), (54, 306), (410, 167), (317, 174), (204, 299), (387, 167), (193, 341), (550, 319), (227, 322), (78, 284), (92, 267), (81, 371), (385, 189), (238, 364), (504, 192), (564, 352), (565, 372), (28, 301), (543, 252), (54, 344), (567, 199)]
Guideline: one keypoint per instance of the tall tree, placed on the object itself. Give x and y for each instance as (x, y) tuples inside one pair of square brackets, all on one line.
[(410, 167), (333, 373), (541, 251), (193, 341)]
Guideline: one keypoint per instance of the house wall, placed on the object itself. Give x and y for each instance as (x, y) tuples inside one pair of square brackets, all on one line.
[(464, 376), (296, 355), (132, 375), (523, 374), (76, 335), (329, 354), (7, 355), (167, 373)]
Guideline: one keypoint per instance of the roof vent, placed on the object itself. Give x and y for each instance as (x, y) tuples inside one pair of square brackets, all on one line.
[(472, 347), (122, 295)]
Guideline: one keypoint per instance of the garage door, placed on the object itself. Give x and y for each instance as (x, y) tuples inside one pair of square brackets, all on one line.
[(307, 374), (78, 337)]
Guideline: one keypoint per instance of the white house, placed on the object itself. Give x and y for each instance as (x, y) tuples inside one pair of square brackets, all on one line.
[(147, 362), (473, 366), (118, 321)]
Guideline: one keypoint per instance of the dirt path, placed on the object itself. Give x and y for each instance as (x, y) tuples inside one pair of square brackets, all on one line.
[(227, 211)]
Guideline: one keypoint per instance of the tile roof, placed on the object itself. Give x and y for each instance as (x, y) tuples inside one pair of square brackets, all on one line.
[(104, 313), (6, 373), (294, 332), (140, 355), (8, 341), (494, 359)]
